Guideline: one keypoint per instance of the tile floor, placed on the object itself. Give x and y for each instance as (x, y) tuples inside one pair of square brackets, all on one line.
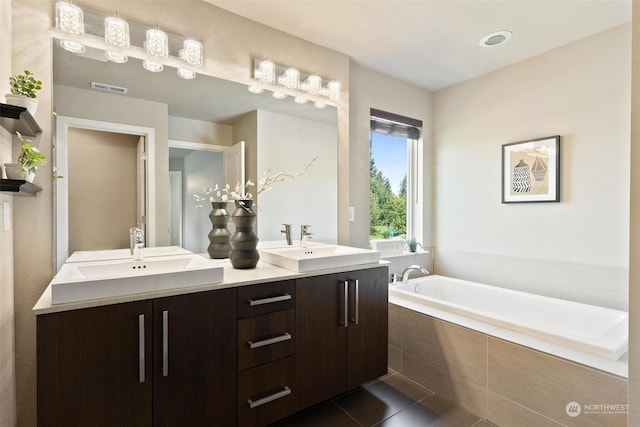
[(391, 401)]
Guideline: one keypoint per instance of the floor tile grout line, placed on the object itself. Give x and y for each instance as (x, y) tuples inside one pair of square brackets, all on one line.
[(348, 414)]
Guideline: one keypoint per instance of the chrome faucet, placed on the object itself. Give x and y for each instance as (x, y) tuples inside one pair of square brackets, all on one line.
[(287, 233), (136, 240), (305, 235), (408, 270)]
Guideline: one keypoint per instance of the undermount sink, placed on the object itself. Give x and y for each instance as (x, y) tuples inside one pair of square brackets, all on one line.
[(318, 257), (104, 279), (112, 254)]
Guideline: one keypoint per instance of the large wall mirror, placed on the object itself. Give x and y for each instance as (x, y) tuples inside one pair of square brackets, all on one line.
[(123, 155)]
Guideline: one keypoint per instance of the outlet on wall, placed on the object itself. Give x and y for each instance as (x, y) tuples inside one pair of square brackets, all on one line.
[(352, 213)]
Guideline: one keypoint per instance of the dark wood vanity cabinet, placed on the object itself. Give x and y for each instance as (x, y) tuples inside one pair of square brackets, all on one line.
[(245, 356), (194, 359), (94, 366), (267, 384), (164, 362), (341, 321)]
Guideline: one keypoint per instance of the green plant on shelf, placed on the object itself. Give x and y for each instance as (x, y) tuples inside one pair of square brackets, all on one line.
[(30, 157), (25, 84)]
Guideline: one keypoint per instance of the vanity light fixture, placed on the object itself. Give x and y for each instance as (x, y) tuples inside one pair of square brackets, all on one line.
[(266, 72), (116, 33), (156, 44), (334, 87), (70, 20), (291, 81), (190, 54)]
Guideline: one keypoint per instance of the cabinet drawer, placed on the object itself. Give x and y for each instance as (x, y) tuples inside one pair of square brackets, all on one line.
[(266, 298), (265, 338), (266, 393)]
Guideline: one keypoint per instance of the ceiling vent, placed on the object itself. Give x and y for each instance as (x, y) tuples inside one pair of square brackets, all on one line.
[(109, 88)]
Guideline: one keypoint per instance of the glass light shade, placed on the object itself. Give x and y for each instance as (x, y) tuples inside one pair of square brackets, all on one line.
[(334, 90), (152, 66), (319, 104), (116, 33), (267, 71), (279, 95), (255, 89), (300, 100), (186, 74), (157, 43), (291, 78), (72, 46), (69, 18), (315, 84), (116, 57), (191, 52)]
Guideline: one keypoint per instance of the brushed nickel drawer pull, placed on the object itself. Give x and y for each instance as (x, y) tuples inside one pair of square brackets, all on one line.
[(278, 298), (165, 343), (141, 348), (284, 337), (271, 398)]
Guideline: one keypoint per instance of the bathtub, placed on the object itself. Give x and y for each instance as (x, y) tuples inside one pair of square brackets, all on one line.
[(585, 328)]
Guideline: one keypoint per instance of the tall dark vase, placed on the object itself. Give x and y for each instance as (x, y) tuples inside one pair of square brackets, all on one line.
[(244, 241), (219, 236)]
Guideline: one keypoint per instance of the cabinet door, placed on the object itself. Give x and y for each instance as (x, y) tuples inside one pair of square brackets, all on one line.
[(195, 359), (367, 341), (321, 338), (94, 366)]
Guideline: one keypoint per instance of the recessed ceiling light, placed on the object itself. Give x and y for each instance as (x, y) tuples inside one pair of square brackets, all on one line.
[(496, 38)]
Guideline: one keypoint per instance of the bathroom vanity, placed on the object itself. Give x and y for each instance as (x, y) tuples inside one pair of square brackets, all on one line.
[(255, 348)]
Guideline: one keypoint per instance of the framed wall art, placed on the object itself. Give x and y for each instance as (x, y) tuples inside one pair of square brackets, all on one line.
[(531, 171)]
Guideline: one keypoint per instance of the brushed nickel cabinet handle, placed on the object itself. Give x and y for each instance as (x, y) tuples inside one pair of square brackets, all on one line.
[(356, 309), (254, 404), (344, 304), (284, 337), (141, 348), (270, 300), (165, 343)]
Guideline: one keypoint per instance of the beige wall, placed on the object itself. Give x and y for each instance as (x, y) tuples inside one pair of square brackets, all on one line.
[(230, 44), (101, 222), (373, 90), (577, 248), (189, 130), (634, 236), (7, 341)]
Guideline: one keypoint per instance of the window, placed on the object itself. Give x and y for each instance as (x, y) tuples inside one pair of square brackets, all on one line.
[(393, 175)]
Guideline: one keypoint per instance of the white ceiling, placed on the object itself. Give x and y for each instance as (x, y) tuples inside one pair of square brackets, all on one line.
[(434, 43)]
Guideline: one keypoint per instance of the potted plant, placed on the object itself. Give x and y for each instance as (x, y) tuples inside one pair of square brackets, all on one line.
[(412, 245), (24, 88), (29, 159)]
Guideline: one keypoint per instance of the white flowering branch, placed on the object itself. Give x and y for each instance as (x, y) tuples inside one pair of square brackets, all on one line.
[(240, 192)]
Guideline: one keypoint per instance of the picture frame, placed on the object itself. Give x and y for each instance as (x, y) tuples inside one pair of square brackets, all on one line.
[(531, 171)]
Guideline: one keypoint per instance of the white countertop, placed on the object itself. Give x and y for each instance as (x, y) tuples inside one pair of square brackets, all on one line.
[(263, 273)]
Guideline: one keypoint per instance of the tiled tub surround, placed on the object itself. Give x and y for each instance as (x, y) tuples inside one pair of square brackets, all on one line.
[(506, 383), (604, 286)]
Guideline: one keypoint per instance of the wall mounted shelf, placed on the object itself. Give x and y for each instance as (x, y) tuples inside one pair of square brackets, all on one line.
[(19, 187), (18, 119)]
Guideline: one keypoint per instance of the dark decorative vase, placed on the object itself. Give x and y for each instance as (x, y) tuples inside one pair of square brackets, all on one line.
[(219, 246), (244, 241)]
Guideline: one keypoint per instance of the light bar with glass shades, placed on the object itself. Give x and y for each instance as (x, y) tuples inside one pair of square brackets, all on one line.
[(70, 21), (157, 50), (284, 81)]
